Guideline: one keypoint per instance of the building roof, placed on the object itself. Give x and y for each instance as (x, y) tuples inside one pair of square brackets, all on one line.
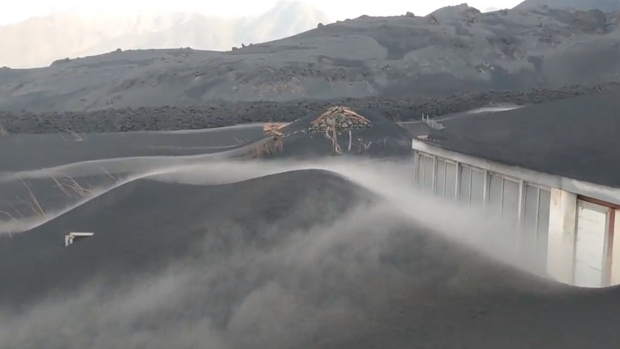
[(577, 138)]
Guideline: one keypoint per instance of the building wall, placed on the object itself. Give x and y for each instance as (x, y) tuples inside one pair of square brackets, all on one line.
[(524, 204), (561, 194), (546, 217), (615, 261)]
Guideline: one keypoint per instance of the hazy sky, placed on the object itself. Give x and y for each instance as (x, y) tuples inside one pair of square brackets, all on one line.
[(20, 10)]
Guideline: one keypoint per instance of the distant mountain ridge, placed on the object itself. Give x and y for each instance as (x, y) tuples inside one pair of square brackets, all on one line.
[(583, 5), (454, 49), (37, 42)]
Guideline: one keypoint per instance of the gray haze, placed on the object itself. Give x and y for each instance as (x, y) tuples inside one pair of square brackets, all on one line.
[(198, 304), (324, 254), (39, 41)]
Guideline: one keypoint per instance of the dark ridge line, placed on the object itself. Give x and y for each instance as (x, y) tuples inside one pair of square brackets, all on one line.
[(213, 115)]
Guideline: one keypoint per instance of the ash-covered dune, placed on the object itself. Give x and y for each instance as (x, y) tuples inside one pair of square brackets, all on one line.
[(337, 130), (145, 225), (515, 137), (30, 198), (456, 49), (303, 259), (21, 152)]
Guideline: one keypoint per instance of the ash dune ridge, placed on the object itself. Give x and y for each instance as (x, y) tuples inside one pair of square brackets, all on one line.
[(354, 254), (294, 289)]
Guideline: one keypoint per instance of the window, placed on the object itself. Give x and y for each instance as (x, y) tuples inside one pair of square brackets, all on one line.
[(505, 197), (420, 168), (477, 187), (429, 169), (450, 191), (530, 219), (465, 184), (510, 201), (440, 184), (495, 194), (542, 228), (425, 170), (471, 185), (535, 230)]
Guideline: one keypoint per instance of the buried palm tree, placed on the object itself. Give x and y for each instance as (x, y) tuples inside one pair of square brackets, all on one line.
[(273, 129), (272, 145), (338, 119), (331, 123)]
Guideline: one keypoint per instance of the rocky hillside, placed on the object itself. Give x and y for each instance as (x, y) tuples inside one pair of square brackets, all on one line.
[(212, 115), (38, 42), (452, 50), (584, 5)]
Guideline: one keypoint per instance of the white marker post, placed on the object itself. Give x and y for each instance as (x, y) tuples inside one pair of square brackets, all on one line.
[(75, 235)]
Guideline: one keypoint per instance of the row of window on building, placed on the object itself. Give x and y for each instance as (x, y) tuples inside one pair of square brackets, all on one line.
[(524, 204)]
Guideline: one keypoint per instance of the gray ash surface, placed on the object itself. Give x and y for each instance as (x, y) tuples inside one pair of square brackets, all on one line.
[(229, 113), (257, 270)]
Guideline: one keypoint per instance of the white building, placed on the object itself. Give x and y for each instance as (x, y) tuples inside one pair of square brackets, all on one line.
[(553, 168)]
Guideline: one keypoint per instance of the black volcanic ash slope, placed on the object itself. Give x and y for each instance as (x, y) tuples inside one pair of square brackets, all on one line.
[(145, 224), (337, 130), (32, 197), (343, 287), (218, 114)]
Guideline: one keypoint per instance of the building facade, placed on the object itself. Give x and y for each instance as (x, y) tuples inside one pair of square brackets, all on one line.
[(568, 224)]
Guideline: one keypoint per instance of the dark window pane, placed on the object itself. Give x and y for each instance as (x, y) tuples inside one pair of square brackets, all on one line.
[(420, 169), (543, 225), (428, 173), (465, 183), (510, 207), (450, 180), (477, 187), (440, 184), (495, 194), (530, 220)]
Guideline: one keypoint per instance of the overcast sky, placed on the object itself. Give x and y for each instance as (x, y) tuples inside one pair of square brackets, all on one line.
[(19, 10)]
